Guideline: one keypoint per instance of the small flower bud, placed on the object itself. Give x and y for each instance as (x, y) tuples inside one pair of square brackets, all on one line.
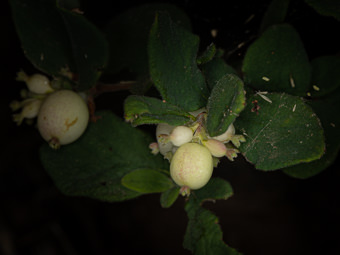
[(36, 83), (154, 148), (217, 148), (29, 110)]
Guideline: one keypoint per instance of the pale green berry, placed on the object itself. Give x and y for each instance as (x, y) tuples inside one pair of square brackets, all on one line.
[(217, 148), (36, 83), (181, 135), (191, 166), (63, 118)]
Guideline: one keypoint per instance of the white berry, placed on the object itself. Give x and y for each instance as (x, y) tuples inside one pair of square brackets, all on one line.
[(191, 166), (164, 145), (63, 118), (36, 83), (181, 135)]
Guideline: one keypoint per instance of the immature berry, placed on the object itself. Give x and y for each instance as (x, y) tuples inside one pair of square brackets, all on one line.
[(36, 83), (191, 166), (181, 135), (63, 118), (30, 109), (217, 148), (164, 145)]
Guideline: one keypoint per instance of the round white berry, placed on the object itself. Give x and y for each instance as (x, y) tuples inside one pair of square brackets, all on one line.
[(181, 135), (163, 130), (63, 118), (36, 83)]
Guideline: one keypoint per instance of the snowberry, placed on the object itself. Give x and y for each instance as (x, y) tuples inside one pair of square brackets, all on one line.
[(63, 118), (164, 145), (181, 135), (191, 166), (36, 83)]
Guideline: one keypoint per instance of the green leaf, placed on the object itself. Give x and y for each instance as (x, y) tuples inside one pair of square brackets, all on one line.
[(277, 61), (326, 7), (128, 35), (94, 165), (58, 41), (173, 66), (279, 134), (215, 69), (324, 108), (147, 181), (207, 55), (325, 75), (226, 101), (169, 197), (148, 110), (275, 14), (203, 235), (216, 188)]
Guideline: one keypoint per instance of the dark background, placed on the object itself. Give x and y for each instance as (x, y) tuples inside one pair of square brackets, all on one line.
[(270, 213)]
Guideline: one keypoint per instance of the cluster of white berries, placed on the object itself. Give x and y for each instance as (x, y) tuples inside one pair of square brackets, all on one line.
[(192, 153), (62, 115)]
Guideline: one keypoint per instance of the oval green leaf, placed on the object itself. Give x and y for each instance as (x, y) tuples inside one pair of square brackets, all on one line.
[(226, 101), (148, 110), (169, 197), (147, 181), (215, 69), (281, 132), (59, 42), (94, 165), (173, 66), (128, 35), (203, 234), (325, 75), (277, 61), (325, 108)]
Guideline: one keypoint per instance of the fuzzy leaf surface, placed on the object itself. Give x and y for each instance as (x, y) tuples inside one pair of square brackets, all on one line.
[(128, 35), (173, 66), (148, 110), (94, 165), (280, 134), (56, 39), (275, 14), (324, 108), (203, 235), (277, 61), (215, 69), (226, 101)]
